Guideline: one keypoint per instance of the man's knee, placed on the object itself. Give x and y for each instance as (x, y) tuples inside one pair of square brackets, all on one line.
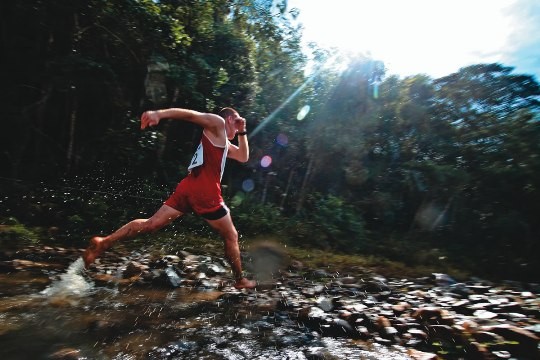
[(151, 225), (230, 235), (234, 235)]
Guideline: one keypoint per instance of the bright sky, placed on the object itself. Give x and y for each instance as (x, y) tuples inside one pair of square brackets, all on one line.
[(434, 37)]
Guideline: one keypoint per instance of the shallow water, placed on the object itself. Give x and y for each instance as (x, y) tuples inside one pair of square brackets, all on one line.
[(72, 282), (65, 315)]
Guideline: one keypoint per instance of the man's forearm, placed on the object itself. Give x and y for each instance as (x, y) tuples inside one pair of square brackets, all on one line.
[(206, 120), (178, 114), (243, 147)]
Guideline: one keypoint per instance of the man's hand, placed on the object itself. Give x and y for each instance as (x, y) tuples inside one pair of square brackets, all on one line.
[(240, 124), (149, 118)]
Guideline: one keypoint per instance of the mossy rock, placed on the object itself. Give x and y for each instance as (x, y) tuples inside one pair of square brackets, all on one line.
[(17, 232)]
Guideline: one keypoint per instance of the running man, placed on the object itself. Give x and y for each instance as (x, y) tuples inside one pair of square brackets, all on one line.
[(200, 190)]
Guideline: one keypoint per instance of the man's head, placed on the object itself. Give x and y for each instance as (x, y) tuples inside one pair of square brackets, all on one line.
[(226, 112), (231, 118)]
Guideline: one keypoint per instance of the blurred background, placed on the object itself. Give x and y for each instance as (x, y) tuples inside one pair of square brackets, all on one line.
[(405, 130)]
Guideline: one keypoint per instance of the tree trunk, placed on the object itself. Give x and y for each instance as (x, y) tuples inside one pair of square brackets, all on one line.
[(72, 126), (287, 188), (266, 183), (303, 188)]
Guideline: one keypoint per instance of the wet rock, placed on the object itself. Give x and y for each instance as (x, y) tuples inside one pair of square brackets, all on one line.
[(363, 332), (296, 265), (175, 349), (207, 284), (172, 276), (527, 341), (172, 259), (320, 274), (401, 307), (22, 264), (348, 280), (65, 354), (443, 332), (319, 353), (383, 341), (421, 355), (503, 354), (374, 286), (325, 304), (313, 290), (211, 269), (417, 333), (484, 314), (479, 289), (479, 352), (190, 258), (429, 314), (104, 328), (134, 268), (442, 279), (460, 289), (265, 303), (338, 328), (487, 337)]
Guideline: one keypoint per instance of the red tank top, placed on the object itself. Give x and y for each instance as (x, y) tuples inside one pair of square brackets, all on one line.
[(207, 173)]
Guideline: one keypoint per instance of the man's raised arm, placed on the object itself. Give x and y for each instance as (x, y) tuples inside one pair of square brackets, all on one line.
[(206, 120)]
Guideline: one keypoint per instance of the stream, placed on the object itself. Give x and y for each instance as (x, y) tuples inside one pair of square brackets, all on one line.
[(135, 305)]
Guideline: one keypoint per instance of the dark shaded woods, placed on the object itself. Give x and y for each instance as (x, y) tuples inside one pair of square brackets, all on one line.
[(425, 171)]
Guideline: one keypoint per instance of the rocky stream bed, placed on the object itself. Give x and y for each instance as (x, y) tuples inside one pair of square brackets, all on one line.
[(145, 305)]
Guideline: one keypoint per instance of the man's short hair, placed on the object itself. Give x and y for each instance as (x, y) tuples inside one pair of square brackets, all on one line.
[(227, 111)]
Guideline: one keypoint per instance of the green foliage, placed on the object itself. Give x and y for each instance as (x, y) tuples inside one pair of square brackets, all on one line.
[(253, 218), (329, 222), (11, 231), (417, 163)]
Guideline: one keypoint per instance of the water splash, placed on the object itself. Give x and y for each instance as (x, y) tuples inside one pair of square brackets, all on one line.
[(72, 282)]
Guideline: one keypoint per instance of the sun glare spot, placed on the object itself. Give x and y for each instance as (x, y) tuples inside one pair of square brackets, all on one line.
[(282, 139), (248, 185), (266, 161), (376, 90), (415, 36), (303, 112)]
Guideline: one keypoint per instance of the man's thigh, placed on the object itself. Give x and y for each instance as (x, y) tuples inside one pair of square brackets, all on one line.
[(223, 225), (165, 215)]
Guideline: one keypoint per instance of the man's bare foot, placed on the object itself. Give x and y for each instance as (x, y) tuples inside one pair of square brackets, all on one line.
[(244, 283), (96, 247)]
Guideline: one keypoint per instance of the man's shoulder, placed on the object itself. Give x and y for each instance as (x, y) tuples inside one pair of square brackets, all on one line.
[(214, 120)]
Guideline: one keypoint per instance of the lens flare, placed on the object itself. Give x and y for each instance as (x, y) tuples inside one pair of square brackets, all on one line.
[(282, 139), (266, 161), (303, 112), (296, 92), (248, 185)]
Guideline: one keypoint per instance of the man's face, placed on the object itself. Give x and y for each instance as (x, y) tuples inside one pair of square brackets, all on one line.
[(236, 117), (233, 120)]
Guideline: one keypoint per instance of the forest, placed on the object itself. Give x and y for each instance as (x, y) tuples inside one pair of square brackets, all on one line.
[(344, 157)]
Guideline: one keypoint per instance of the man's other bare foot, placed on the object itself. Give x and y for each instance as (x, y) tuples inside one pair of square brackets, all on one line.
[(244, 283), (97, 247)]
